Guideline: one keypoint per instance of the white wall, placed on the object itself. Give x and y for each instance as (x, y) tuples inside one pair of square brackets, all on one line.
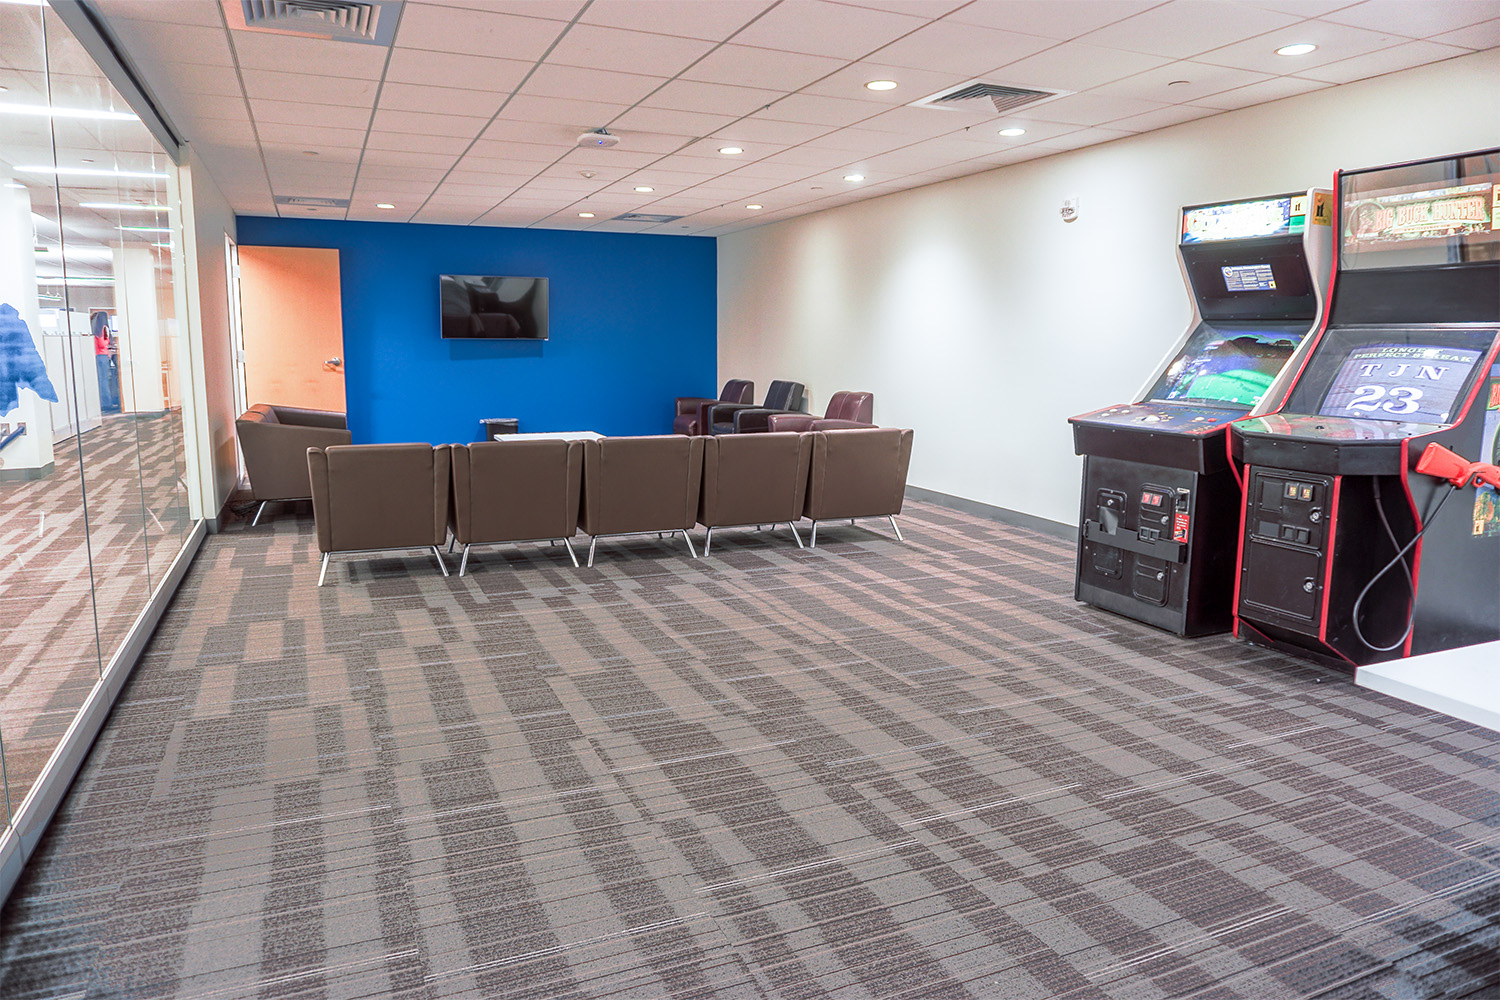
[(208, 219), (981, 319)]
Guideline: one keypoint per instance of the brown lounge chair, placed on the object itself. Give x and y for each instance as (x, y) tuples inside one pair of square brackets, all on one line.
[(692, 411), (858, 473), (516, 491), (274, 441), (846, 410), (637, 485), (368, 497), (753, 479)]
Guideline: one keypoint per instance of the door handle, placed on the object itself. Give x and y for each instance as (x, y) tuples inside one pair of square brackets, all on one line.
[(334, 362)]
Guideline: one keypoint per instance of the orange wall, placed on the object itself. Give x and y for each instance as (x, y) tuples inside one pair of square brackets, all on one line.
[(292, 323)]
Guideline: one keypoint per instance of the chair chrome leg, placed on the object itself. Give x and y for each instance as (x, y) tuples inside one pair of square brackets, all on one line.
[(463, 564), (814, 543), (324, 571), (789, 524), (593, 541), (439, 554), (689, 539), (258, 512), (708, 542), (571, 554), (896, 528), (452, 543)]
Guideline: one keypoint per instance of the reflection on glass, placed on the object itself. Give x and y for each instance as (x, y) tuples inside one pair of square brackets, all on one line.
[(93, 504)]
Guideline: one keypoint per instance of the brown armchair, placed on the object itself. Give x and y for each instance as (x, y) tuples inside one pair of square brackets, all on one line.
[(846, 410), (753, 479), (858, 473), (516, 491), (692, 411), (274, 441), (380, 496), (636, 485)]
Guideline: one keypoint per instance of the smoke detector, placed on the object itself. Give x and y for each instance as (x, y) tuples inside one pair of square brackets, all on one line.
[(599, 138)]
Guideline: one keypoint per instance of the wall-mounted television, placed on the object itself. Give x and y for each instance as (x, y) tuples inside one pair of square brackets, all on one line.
[(490, 307)]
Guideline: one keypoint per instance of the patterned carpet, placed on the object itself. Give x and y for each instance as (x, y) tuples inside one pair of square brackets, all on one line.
[(869, 770), (49, 653)]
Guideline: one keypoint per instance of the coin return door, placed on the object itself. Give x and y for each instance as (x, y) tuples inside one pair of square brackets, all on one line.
[(1285, 529)]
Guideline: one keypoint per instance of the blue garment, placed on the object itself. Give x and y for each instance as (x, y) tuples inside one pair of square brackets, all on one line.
[(107, 401), (21, 366)]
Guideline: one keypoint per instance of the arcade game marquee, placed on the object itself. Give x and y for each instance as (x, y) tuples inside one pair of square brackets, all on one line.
[(1354, 549), (1160, 504)]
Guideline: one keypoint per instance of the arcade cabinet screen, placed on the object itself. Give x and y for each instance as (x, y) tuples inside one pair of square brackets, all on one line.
[(1438, 212), (1245, 219), (1235, 368), (1412, 383)]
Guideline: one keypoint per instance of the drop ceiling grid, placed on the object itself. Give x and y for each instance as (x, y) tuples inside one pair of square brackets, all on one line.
[(501, 88)]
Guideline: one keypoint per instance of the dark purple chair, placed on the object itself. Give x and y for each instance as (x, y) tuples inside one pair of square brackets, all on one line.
[(781, 397), (692, 415), (846, 410)]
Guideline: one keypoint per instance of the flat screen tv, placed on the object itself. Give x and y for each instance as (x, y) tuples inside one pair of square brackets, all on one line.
[(488, 307)]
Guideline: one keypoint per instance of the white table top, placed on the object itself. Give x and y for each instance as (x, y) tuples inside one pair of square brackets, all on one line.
[(551, 436)]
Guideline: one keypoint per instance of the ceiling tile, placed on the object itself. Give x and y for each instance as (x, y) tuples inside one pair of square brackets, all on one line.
[(591, 46), (618, 158), (195, 78), (743, 66), (454, 145), (576, 114), (215, 106), (590, 84), (755, 132), (711, 98), (1049, 18), (417, 123), (1075, 66), (692, 124), (827, 29), (687, 18), (451, 69), (1477, 36), (1085, 137), (1415, 18), (1261, 93), (831, 111), (406, 158), (272, 133), (556, 10), (1183, 28), (1183, 82), (294, 54), (309, 115), (270, 85), (1162, 118), (186, 42), (538, 152), (964, 50), (928, 122), (451, 29), (1334, 41), (1384, 61), (1091, 109), (447, 100), (172, 11), (1302, 8)]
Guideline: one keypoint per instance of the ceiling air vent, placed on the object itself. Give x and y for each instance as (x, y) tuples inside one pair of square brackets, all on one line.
[(644, 217), (369, 22), (977, 95), (302, 201)]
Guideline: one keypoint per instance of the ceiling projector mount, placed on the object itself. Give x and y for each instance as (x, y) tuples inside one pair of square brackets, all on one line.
[(599, 138)]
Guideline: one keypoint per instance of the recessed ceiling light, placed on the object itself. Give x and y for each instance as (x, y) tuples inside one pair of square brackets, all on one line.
[(645, 189), (854, 178), (1179, 83), (90, 172), (881, 85), (1296, 49), (385, 204), (731, 150), (1011, 133), (309, 152), (120, 206), (585, 215), (755, 208), (47, 111)]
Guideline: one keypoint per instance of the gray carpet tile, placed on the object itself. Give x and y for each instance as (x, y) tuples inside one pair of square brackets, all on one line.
[(75, 575), (867, 770)]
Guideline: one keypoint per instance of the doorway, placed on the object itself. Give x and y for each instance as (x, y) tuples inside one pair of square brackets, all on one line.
[(291, 327)]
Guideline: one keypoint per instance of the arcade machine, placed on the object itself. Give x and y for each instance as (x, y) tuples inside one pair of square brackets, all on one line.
[(1160, 506), (1354, 549)]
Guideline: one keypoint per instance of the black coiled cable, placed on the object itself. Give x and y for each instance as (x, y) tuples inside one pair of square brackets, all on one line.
[(1411, 614)]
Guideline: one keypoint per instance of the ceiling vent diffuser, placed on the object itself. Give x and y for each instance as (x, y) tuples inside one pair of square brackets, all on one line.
[(368, 22), (978, 95), (644, 217), (304, 201)]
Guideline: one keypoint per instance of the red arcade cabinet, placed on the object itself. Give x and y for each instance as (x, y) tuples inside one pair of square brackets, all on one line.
[(1348, 553)]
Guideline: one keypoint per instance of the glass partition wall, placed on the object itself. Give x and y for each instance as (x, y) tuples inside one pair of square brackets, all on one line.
[(93, 495)]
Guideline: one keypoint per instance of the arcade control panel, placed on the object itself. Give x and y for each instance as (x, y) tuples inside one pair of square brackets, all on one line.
[(1178, 435)]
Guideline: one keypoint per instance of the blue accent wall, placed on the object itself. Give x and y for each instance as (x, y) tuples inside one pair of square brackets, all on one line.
[(633, 324)]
